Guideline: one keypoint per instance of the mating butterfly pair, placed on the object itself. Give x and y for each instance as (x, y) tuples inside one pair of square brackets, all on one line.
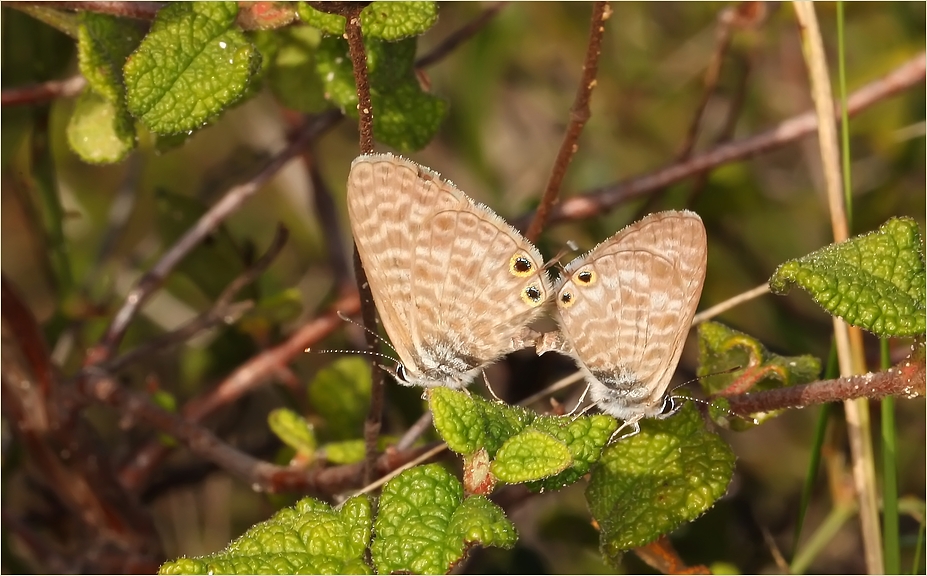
[(456, 287)]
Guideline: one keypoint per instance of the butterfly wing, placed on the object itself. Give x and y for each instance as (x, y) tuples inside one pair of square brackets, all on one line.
[(477, 284), (626, 307), (389, 199)]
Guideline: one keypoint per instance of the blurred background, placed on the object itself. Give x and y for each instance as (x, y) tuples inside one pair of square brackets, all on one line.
[(509, 90)]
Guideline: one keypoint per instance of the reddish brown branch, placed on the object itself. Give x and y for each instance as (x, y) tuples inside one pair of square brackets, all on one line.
[(906, 380), (373, 422), (232, 201), (600, 200), (579, 114), (44, 92), (459, 36), (260, 475), (249, 376)]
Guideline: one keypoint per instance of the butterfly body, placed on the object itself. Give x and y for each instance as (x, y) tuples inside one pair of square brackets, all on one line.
[(455, 285), (624, 310)]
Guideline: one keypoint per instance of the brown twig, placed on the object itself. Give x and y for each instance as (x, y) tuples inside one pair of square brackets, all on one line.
[(579, 114), (260, 475), (44, 92), (232, 201), (599, 200), (906, 380), (246, 378), (373, 422), (218, 312), (458, 37)]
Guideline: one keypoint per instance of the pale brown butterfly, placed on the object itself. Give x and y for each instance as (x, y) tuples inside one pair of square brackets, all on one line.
[(624, 310), (455, 285)]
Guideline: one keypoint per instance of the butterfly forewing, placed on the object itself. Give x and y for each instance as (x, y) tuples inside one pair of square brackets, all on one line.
[(625, 308), (439, 267)]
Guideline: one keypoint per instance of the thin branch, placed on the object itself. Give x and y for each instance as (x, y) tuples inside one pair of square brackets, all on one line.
[(374, 420), (579, 115), (246, 378), (906, 380), (232, 201), (732, 302), (459, 36), (221, 310), (599, 200), (44, 92), (137, 10), (327, 216), (260, 475)]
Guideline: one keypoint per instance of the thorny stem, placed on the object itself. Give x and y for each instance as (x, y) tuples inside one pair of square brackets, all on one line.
[(579, 114), (232, 201)]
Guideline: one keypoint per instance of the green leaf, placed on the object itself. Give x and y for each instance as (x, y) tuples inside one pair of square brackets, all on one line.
[(310, 538), (424, 524), (405, 116), (875, 281), (351, 451), (530, 455), (293, 430), (397, 20), (384, 20), (651, 483), (193, 64), (340, 394), (468, 423), (755, 368), (584, 437), (291, 72), (99, 131)]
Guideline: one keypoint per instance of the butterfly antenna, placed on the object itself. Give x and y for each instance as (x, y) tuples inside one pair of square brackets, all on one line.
[(346, 351), (555, 261), (365, 329), (707, 402)]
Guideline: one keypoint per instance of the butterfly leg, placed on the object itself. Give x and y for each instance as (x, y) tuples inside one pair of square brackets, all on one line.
[(635, 429), (489, 387), (580, 403)]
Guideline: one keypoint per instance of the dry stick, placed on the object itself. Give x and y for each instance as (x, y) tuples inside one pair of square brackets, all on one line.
[(44, 92), (596, 201), (247, 377), (373, 422), (723, 307), (579, 114), (849, 348), (220, 311), (231, 202), (460, 36)]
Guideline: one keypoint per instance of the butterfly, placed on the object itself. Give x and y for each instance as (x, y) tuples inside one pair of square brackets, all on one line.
[(624, 310), (455, 285)]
